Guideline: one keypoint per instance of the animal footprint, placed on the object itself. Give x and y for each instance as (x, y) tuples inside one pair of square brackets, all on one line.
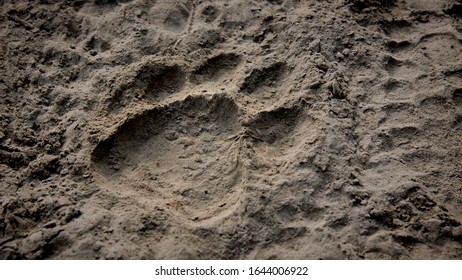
[(274, 130), (443, 49), (181, 151), (192, 156), (171, 16), (215, 67), (164, 82), (149, 80), (261, 79)]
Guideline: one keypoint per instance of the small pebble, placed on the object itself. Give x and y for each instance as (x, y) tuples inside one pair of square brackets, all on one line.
[(346, 52), (315, 46)]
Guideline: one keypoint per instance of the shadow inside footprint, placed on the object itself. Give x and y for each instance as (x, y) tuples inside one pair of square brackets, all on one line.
[(164, 82), (216, 67), (151, 81), (274, 125), (457, 96), (265, 77), (279, 132)]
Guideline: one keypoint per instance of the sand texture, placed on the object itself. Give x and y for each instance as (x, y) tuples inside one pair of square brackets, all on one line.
[(242, 129)]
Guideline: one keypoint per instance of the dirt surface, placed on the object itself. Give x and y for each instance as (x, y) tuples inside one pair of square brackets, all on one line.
[(234, 129)]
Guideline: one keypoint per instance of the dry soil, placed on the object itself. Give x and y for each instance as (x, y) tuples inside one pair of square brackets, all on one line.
[(242, 129)]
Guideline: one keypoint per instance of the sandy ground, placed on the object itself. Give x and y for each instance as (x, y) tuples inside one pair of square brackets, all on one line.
[(183, 129)]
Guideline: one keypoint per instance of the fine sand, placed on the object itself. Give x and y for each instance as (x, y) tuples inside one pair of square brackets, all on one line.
[(242, 129)]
